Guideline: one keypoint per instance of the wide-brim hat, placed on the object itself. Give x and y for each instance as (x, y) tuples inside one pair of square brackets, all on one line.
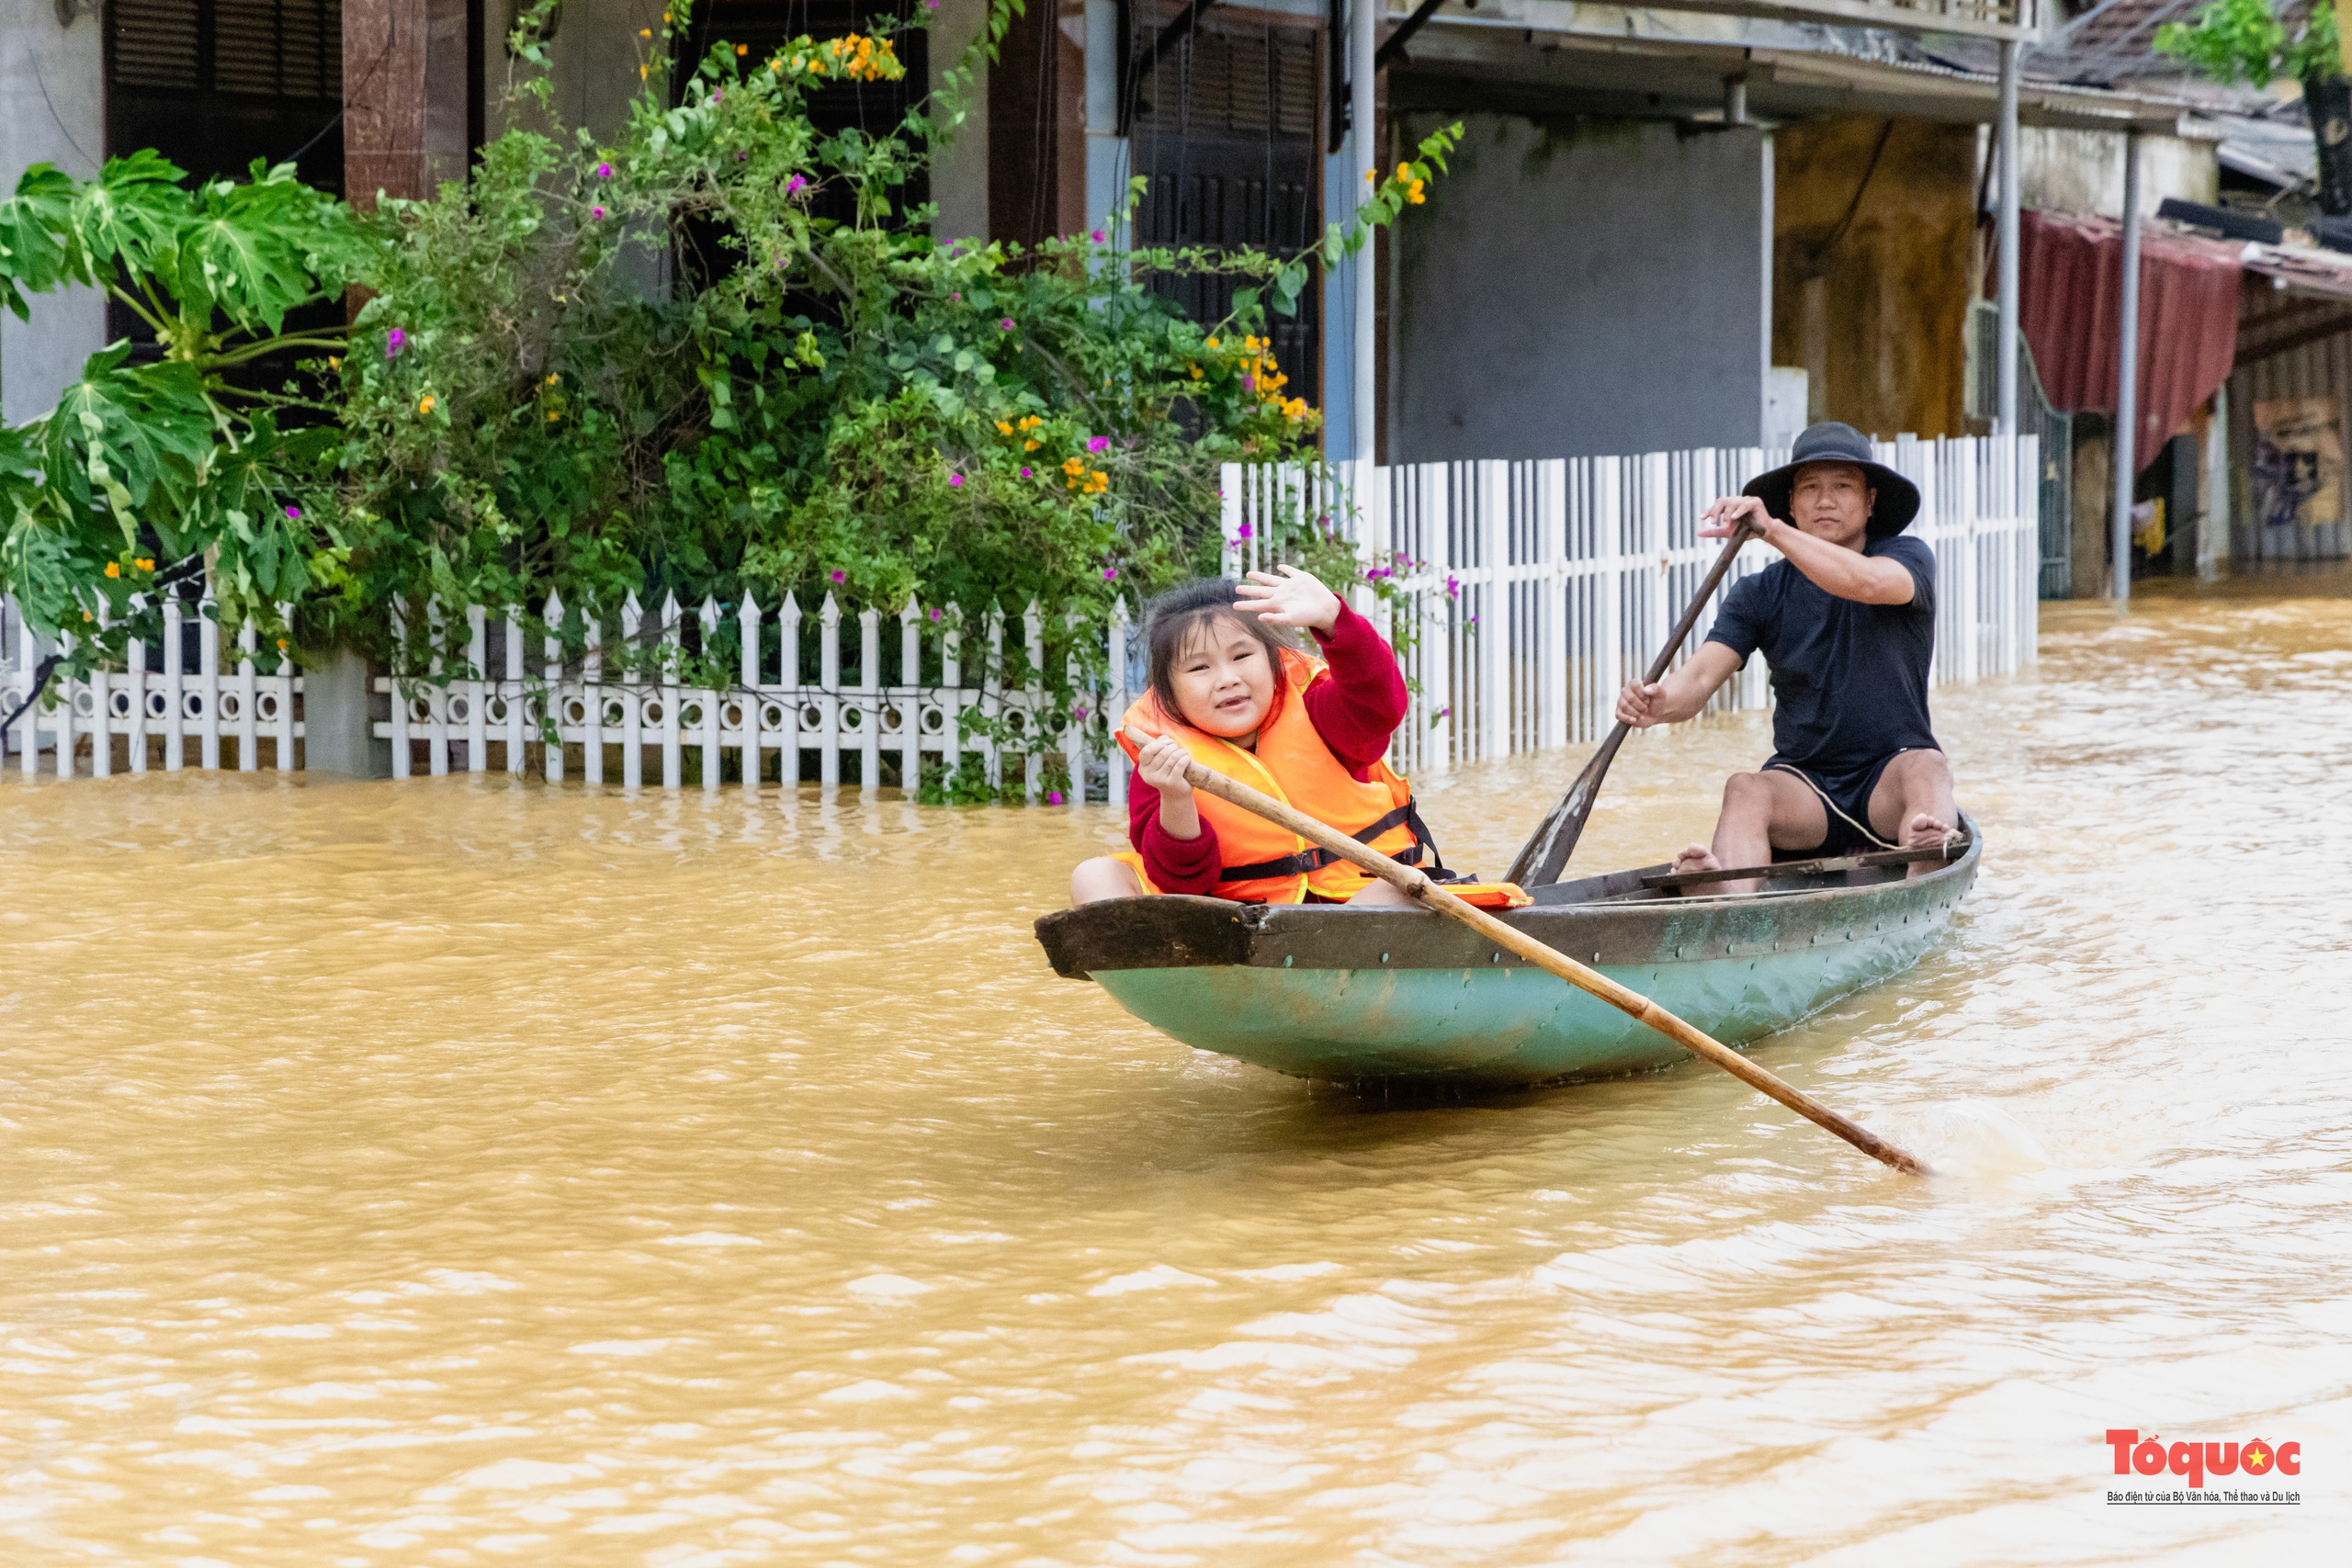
[(1830, 442)]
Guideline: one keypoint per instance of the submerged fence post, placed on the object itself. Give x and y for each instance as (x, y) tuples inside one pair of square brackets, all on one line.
[(1115, 698), (710, 696), (513, 689), (869, 706), (632, 696), (828, 681), (747, 620), (908, 698), (551, 715), (673, 694)]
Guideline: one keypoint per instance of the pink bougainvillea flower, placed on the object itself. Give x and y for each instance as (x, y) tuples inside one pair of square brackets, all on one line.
[(795, 185), (1053, 797), (595, 212), (1249, 382), (1078, 714), (1242, 532), (1025, 473), (954, 478), (935, 615), (1099, 444), (293, 515), (394, 341), (1006, 323), (1452, 587), (838, 575), (603, 171), (1096, 236), (1110, 574)]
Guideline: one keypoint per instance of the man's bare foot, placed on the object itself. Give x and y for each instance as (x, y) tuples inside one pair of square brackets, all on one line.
[(1697, 857), (1924, 831)]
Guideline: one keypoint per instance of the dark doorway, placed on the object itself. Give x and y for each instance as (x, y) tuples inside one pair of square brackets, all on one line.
[(1224, 127)]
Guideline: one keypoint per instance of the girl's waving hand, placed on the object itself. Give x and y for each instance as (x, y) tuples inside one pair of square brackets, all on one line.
[(1293, 599)]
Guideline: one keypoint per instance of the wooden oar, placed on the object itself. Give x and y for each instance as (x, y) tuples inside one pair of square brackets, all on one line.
[(1417, 885), (1539, 858)]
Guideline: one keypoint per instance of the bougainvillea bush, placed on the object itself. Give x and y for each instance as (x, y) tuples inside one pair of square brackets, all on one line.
[(648, 366)]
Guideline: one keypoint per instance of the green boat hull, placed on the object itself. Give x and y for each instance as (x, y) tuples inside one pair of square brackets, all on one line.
[(1360, 996)]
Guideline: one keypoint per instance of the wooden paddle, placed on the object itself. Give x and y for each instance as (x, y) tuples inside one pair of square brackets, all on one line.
[(1417, 885), (1541, 859)]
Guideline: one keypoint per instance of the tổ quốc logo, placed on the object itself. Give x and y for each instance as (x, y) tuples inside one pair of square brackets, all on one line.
[(2254, 1466)]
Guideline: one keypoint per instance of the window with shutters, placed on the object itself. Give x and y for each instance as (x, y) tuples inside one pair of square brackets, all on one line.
[(1223, 127), (213, 84)]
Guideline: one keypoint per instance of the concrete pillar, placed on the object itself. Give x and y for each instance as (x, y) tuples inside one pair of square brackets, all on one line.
[(405, 72), (337, 720), (959, 169), (2127, 378), (1107, 164), (52, 110), (2213, 538), (2006, 286)]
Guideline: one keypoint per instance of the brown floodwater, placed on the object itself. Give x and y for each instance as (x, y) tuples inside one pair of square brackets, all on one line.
[(470, 1172)]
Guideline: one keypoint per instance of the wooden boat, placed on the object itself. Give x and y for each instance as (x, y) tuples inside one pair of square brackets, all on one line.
[(1362, 995)]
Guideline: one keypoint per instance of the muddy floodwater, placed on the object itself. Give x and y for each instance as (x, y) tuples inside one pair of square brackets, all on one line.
[(469, 1172)]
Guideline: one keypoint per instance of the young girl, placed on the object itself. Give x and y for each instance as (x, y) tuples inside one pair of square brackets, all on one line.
[(1230, 692)]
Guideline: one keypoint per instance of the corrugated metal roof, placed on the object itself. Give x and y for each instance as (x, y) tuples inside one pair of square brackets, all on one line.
[(2072, 270)]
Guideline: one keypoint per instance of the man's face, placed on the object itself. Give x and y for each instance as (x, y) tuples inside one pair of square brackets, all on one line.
[(1832, 502)]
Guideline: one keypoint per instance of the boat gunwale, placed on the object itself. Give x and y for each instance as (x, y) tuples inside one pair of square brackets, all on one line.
[(1178, 931)]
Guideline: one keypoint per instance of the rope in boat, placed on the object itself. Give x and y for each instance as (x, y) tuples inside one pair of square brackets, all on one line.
[(1952, 835)]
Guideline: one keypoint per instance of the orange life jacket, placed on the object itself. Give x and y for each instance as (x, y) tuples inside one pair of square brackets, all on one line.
[(1265, 863)]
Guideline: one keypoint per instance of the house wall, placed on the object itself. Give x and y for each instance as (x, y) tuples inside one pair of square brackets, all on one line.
[(2082, 171), (1873, 237), (1577, 287), (52, 110), (2320, 373)]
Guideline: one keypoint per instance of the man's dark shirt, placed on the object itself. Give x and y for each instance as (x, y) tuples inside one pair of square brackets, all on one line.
[(1849, 679)]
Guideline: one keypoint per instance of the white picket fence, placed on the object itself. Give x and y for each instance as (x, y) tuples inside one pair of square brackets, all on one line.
[(773, 710), (1534, 591), (1525, 594), (168, 699)]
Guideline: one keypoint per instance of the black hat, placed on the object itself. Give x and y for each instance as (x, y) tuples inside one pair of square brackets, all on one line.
[(1830, 442)]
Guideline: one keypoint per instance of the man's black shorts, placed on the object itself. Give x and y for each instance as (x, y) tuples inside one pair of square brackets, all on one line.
[(1846, 802)]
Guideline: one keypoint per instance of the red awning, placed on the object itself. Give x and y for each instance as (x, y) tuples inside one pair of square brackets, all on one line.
[(2071, 272)]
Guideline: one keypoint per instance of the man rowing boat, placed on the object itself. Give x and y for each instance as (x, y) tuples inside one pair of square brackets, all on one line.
[(1847, 622)]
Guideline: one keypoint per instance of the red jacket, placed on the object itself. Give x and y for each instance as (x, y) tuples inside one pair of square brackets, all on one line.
[(1355, 712)]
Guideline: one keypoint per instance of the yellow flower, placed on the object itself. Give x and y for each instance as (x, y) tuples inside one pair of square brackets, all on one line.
[(1074, 468), (113, 570), (640, 73), (1032, 421), (776, 64), (85, 615), (1031, 444), (1295, 408), (1212, 342), (645, 32), (1403, 170), (554, 414), (1098, 481), (1004, 427), (1373, 175), (741, 50), (334, 363), (425, 403), (1415, 196), (282, 644), (1196, 372), (145, 563)]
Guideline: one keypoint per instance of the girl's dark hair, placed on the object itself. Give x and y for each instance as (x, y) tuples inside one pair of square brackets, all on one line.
[(1174, 618)]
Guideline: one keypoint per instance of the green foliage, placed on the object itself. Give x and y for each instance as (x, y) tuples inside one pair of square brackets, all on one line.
[(2247, 41), (149, 459), (540, 396)]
